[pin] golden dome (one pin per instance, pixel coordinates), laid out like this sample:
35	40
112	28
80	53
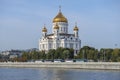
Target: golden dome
60	18
44	29
76	28
56	26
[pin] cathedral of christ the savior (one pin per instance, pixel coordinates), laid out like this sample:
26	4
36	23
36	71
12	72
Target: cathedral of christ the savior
60	36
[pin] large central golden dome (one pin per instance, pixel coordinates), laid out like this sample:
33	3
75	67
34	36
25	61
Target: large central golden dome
60	18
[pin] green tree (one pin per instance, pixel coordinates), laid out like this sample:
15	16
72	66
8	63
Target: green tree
0	56
65	54
50	54
108	54
25	55
116	55
87	52
58	53
71	53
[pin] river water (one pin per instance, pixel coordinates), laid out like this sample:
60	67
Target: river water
57	74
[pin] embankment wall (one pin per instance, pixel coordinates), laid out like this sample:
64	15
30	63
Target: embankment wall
75	65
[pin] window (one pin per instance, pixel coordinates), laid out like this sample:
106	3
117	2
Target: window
76	45
54	45
43	46
61	28
62	45
46	45
57	45
40	46
50	45
77	34
66	45
71	45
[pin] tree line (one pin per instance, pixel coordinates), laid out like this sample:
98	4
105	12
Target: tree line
59	53
106	55
86	52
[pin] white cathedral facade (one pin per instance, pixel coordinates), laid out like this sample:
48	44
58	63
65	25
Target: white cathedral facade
60	36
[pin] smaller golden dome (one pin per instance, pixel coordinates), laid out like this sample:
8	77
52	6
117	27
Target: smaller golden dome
76	28
56	26
44	29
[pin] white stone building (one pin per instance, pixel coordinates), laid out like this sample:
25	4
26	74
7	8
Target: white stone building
60	36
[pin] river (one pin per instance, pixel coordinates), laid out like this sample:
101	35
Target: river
57	74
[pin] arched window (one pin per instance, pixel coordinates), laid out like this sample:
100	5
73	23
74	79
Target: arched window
76	45
64	29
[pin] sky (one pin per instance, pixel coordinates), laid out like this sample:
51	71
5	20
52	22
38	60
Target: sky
21	21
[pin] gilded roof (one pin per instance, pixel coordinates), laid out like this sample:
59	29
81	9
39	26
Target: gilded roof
56	26
44	29
60	18
76	28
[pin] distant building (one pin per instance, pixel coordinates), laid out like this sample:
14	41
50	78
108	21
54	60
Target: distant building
32	49
60	36
12	53
5	53
13	56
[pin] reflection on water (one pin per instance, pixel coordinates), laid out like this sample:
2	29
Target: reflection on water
57	74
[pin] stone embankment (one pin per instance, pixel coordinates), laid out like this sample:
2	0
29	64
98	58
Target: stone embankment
74	65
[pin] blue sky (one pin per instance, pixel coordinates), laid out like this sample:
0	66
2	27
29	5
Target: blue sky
21	21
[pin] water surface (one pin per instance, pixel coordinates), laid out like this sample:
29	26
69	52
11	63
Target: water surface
57	74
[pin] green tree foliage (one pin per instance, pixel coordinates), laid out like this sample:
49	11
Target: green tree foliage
0	56
89	53
50	54
86	52
71	54
116	55
59	53
65	54
106	55
34	55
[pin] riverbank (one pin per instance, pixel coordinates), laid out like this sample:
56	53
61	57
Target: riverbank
76	65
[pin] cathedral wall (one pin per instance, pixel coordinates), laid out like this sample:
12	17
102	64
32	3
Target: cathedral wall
63	27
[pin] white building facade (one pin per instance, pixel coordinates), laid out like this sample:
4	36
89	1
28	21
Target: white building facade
60	36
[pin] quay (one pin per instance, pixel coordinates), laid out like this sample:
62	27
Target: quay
72	65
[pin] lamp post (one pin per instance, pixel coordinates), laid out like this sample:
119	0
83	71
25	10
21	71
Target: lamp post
104	55
115	45
83	54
